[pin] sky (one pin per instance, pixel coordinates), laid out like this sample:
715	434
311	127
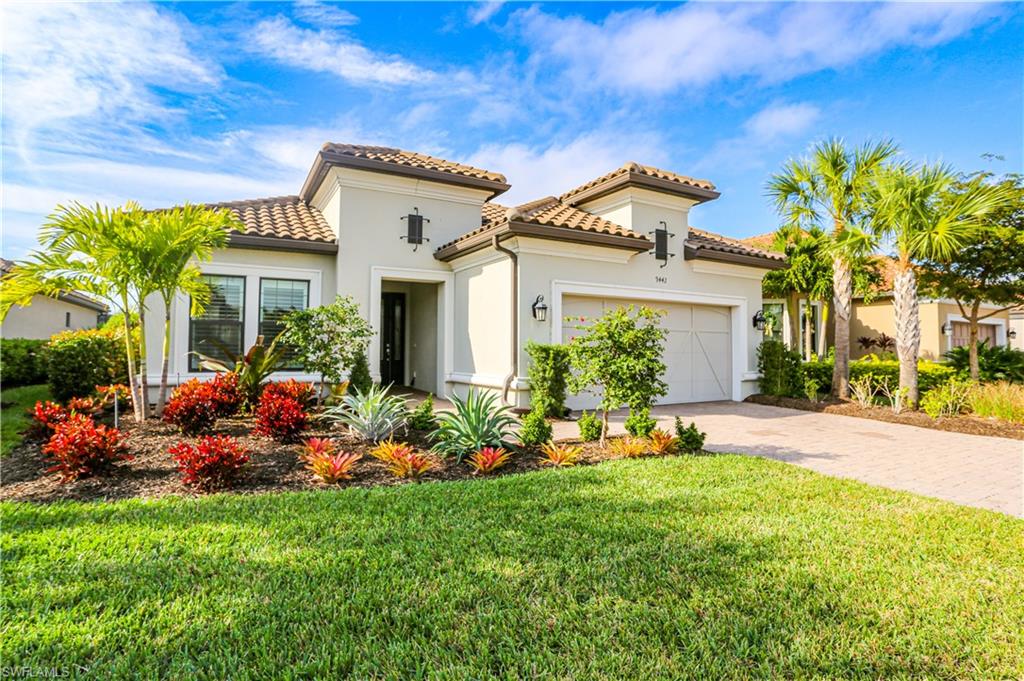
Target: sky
173	102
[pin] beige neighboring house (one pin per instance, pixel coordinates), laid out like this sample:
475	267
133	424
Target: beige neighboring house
46	316
1016	332
456	284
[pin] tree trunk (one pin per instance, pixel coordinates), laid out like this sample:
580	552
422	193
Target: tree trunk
130	349
842	287
908	329
143	381
793	305
165	360
808	329
972	350
823	330
604	427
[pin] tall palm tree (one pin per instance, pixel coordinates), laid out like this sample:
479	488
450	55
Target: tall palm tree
808	274
917	210
828	190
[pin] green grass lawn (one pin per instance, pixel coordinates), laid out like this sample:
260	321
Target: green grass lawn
13	419
710	567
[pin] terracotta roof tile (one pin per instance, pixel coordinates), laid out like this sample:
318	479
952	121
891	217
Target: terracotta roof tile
411	159
280	217
701	239
650	171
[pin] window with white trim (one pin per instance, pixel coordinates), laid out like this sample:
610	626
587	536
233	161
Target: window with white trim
221	327
278	297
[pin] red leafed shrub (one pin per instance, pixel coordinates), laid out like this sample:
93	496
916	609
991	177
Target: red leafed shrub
45	417
226	395
303	393
279	417
192	407
214	462
83	405
79	448
108	392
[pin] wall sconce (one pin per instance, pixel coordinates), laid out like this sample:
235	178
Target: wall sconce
947	329
759	320
414	229
540	309
1012	333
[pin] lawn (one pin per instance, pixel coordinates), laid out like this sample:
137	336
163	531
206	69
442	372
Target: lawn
13	419
689	567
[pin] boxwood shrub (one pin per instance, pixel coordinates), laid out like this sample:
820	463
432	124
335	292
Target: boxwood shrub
78	361
23	361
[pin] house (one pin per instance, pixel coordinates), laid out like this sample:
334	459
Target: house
456	284
45	316
943	327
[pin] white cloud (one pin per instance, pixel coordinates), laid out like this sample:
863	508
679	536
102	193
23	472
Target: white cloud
322	14
483	11
700	43
762	132
328	51
781	120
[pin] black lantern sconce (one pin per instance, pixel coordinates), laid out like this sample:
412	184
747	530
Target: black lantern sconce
759	320
661	235
540	309
1012	333
414	228
947	329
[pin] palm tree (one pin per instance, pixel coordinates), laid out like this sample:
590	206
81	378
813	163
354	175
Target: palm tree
808	274
831	186
925	219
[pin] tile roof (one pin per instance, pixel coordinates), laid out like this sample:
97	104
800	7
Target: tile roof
411	159
765	242
637	169
703	240
280	217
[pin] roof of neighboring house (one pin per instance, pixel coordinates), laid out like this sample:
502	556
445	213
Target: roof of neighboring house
701	243
73	297
764	242
399	162
280	222
648	177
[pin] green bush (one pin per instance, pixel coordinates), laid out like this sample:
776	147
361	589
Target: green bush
548	374
996	363
639	422
78	361
534	429
22	361
930	374
422	417
359	376
691	440
949	399
780	370
590	427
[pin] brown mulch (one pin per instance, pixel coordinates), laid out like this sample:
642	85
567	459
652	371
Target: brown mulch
971	425
273	466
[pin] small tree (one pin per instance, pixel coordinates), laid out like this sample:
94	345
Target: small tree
619	358
328	339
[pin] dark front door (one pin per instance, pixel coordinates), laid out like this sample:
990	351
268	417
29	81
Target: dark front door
392	338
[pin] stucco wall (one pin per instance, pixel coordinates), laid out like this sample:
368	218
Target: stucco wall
483	321
46	316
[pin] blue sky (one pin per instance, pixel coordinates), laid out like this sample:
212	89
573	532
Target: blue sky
164	103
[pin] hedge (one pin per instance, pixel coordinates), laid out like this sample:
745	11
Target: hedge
78	361
780	370
548	372
22	361
930	374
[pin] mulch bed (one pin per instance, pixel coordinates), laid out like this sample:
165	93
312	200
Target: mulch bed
971	425
273	466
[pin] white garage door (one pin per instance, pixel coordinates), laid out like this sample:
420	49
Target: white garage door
698	348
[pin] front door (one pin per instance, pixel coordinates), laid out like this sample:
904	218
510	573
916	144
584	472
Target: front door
392	339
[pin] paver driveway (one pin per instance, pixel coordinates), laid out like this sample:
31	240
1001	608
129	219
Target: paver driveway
987	472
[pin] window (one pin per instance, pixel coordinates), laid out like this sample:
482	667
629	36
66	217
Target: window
222	324
278	297
67	320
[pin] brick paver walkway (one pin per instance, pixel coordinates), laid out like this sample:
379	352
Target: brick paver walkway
986	472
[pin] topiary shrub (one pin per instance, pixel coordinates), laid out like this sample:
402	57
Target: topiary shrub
548	374
359	376
639	422
22	361
590	427
78	361
534	428
781	373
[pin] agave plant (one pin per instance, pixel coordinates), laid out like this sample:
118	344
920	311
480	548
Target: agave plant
373	415
477	422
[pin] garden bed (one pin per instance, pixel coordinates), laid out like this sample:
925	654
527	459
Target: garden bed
273	466
971	425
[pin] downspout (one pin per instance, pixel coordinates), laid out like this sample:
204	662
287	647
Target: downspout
515	318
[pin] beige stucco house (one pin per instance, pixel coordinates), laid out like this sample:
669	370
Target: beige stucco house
44	316
455	284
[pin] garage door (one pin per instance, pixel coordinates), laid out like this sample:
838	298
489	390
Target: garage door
698	348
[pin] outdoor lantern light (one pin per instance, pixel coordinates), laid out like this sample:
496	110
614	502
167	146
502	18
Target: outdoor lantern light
947	329
759	320
1012	333
540	309
414	229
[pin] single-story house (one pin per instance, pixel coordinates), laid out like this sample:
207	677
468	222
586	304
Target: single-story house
45	316
1016	331
456	284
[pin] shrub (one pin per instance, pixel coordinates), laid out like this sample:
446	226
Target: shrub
79	448
628	447
560	455
950	399
301	392
930	374
662	442
359	375
590	427
332	468
389	450
548	373
477	422
410	465
78	361
488	459
811	387
1000	400
691	440
23	361
214	462
893	393
46	416
253	369
373	415
193	407
280	417
995	363
780	369
639	422
422	417
534	429
863	390
227	397
107	394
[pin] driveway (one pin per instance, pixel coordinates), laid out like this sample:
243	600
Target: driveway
986	472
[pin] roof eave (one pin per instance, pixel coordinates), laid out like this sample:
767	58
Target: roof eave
271	243
614	184
80	300
698	253
529	229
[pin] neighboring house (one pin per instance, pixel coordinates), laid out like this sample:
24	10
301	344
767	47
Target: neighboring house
943	327
46	316
455	284
1016	331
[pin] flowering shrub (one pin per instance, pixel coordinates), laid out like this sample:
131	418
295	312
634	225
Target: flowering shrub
332	468
409	465
227	398
45	418
279	417
193	407
79	448
489	459
389	450
214	462
303	393
628	447
560	455
662	442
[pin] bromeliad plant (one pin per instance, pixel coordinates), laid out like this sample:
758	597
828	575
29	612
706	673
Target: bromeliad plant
477	422
560	455
373	415
409	465
389	450
662	442
326	463
628	447
488	460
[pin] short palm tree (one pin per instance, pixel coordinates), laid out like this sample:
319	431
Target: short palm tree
828	190
916	209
